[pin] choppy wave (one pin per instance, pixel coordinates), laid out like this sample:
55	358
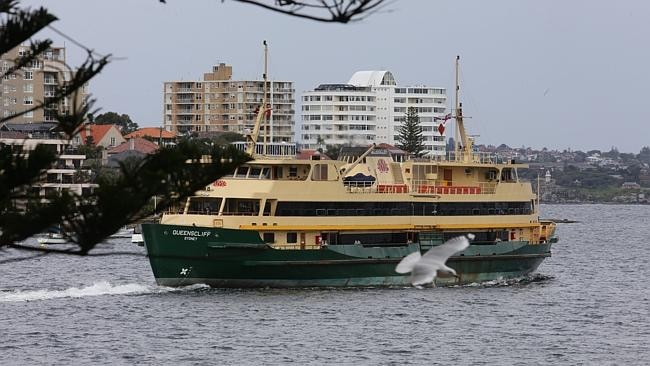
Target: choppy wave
534	278
96	289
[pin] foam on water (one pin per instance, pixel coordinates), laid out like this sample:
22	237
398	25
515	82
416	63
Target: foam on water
96	289
501	282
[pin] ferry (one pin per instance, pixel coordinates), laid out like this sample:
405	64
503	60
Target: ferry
279	221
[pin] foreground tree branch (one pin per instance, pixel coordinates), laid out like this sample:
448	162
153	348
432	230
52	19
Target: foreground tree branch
327	11
171	173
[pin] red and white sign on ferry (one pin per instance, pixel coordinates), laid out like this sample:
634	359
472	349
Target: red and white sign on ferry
220	183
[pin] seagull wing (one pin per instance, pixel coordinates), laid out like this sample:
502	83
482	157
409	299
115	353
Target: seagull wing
423	273
442	252
407	263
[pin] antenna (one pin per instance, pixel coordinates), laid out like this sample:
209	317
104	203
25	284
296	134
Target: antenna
251	139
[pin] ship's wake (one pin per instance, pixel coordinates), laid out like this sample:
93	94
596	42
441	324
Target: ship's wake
97	289
521	281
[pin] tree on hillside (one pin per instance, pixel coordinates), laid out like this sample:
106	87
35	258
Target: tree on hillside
410	136
123	121
644	155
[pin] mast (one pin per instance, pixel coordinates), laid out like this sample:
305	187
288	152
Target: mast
251	139
538	192
464	150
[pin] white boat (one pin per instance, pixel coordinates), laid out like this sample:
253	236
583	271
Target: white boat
136	237
51	238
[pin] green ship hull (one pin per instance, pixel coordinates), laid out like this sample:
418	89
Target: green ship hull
185	255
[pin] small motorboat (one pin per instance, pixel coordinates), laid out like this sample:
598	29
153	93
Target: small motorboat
51	238
136	236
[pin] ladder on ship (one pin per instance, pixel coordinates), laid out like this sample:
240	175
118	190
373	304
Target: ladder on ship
429	239
396	169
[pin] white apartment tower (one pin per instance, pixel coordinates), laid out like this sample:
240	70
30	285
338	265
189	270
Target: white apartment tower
370	108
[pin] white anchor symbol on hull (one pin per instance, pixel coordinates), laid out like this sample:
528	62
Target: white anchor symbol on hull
184	271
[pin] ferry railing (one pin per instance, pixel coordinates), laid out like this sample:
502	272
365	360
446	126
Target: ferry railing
225	213
428	187
421	187
474	157
360	187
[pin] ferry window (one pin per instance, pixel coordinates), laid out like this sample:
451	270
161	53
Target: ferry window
277	173
265	173
292	238
237	206
508	175
254	173
242	171
293	171
269	237
204	205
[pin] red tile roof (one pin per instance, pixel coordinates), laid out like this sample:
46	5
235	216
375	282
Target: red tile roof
96	131
136	144
307	154
154	132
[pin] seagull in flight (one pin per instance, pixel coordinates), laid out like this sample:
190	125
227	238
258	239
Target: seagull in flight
424	268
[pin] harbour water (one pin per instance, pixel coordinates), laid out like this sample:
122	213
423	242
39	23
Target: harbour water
588	304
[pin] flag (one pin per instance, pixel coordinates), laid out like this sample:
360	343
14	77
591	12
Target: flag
267	111
443	118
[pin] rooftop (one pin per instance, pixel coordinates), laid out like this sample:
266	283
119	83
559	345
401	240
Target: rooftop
372	78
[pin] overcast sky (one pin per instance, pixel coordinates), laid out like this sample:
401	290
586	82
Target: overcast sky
557	74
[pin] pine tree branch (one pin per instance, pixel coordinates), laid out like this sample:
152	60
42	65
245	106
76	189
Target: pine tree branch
20	25
340	11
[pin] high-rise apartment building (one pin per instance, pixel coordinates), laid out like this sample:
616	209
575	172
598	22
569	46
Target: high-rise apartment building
34	84
370	108
220	104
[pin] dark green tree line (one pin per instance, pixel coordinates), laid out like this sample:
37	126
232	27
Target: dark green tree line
123	121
